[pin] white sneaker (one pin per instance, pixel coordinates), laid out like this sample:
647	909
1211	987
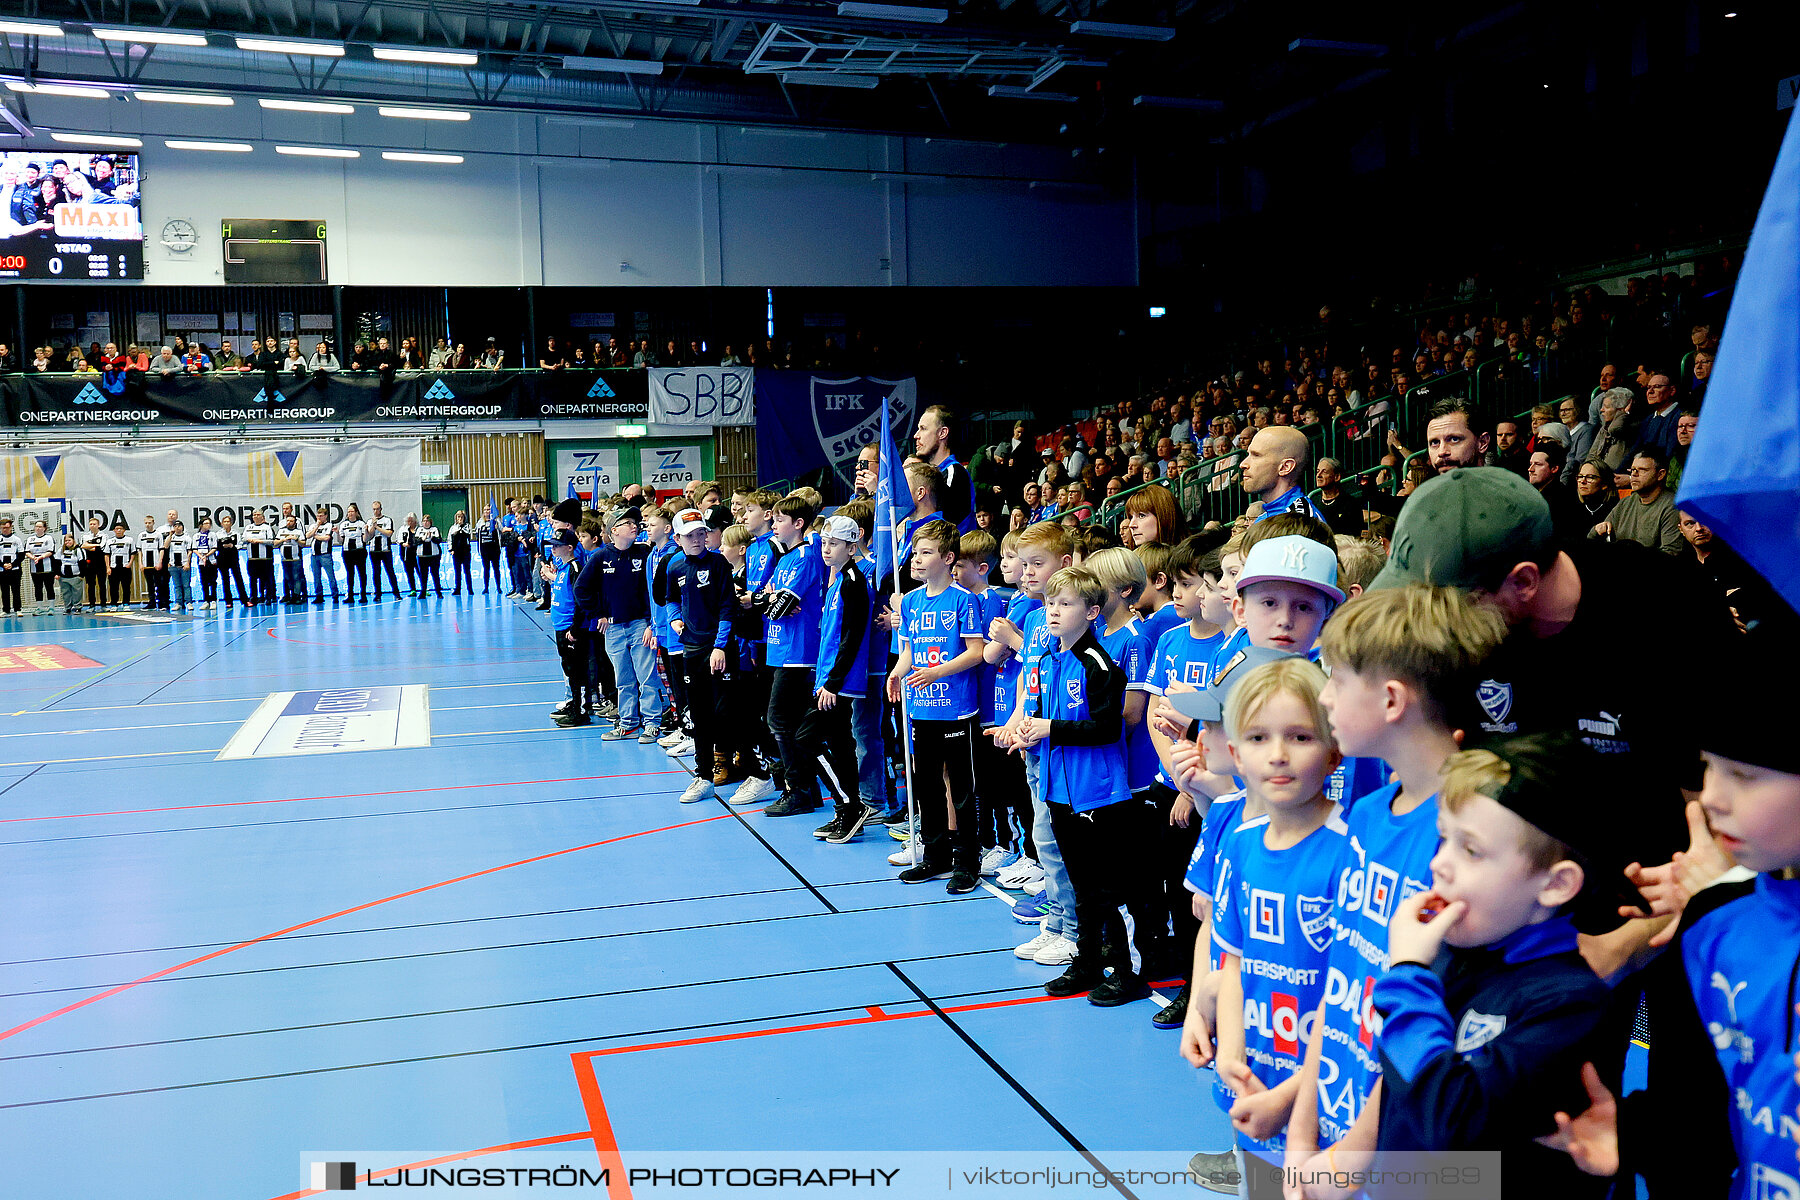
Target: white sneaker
1035	887
700	789
752	790
682	749
1055	953
1041	941
994	859
1020	873
671	739
903	857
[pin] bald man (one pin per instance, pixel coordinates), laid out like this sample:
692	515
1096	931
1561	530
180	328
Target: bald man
1274	470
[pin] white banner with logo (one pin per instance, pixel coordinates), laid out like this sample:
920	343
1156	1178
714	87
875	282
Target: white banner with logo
587	473
202	480
666	470
704	396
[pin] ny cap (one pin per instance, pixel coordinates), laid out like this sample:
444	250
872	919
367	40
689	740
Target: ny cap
843	529
719	517
1209	705
1294	559
1467	529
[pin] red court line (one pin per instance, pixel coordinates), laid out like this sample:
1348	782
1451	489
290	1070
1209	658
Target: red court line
874	1010
454	787
194	962
367	1176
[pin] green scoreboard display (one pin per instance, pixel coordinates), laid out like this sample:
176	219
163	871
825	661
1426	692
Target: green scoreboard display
259	250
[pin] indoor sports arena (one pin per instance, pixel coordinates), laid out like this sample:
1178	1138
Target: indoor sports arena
652	598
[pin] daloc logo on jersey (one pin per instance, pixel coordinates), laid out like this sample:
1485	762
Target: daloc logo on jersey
1315	920
1496	700
846	414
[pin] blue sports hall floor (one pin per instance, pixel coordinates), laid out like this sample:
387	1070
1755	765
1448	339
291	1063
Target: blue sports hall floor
217	972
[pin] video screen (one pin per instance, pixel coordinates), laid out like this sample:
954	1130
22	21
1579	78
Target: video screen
70	216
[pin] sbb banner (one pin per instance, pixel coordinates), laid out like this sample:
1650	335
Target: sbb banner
703	396
199	480
810	421
254	397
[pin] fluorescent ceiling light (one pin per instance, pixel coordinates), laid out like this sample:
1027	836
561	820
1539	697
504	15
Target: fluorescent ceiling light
148	36
893	12
57	89
319	106
1142	33
424	114
284	46
318	151
452	58
185	98
95	139
407	156
620	66
1187	102
1349	49
31	28
1007	91
229	147
830	79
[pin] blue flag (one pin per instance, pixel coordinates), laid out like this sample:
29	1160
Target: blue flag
891	490
490	508
573	494
1742	477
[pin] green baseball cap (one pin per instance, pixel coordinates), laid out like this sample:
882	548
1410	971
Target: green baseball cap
1467	528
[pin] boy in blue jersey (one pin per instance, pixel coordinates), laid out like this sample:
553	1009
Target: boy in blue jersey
795	598
665	555
622	614
1481	1047
1272	916
569	644
940	643
975	557
866	711
824	737
1399	660
1156	607
698	584
1076	723
762	756
1014	832
1043	550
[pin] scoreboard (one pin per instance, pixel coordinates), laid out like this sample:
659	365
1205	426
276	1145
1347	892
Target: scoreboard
260	250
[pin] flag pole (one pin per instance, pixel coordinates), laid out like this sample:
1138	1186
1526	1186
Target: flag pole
906	752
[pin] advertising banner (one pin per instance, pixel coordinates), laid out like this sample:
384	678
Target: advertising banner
810	421
586	473
201	480
703	396
254	397
666	470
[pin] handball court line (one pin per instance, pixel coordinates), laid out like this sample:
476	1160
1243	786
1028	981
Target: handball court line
73	688
436	687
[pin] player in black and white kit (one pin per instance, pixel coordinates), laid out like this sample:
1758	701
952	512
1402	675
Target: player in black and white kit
430	544
459	554
12	564
93	550
71	568
228	544
149	553
409	554
260	539
40	550
354	532
206	557
290	545
177	567
119	548
321	537
487	541
381	554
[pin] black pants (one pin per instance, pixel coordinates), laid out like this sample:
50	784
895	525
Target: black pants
379	561
43	585
827	754
490	565
600	664
1103	849
459	574
708	705
156	587
229	574
10	584
790	699
1001	798
1173	847
428	569
574	653
95	575
119	581
940	749
262	581
759	740
356	574
676	671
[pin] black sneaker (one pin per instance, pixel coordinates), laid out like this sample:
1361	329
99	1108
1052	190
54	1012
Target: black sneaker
789	805
1174	1016
1121	987
897	817
562	708
829	829
963	881
572	719
850	824
671	720
924	873
1215	1172
1078	977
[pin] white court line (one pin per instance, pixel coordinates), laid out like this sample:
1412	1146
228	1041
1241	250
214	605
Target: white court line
1161	999
261	696
194	724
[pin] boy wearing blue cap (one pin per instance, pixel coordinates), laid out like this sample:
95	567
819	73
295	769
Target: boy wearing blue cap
570	647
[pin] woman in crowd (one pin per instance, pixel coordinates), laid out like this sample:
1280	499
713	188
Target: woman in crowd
459	554
1595	492
206	557
408	538
226	540
430	545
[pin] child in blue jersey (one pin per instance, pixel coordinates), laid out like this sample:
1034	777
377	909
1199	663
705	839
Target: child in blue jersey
975	557
825	737
794	599
1399	658
1013	826
1272	918
757	679
569	645
1156	607
1737	946
1122	636
867	710
1043	550
1481	1047
698	584
1182	658
665	554
1076	721
940	643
